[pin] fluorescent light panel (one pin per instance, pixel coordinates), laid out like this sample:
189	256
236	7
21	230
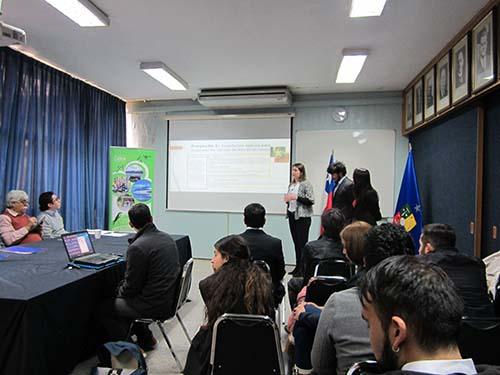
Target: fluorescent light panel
351	66
83	12
366	8
164	75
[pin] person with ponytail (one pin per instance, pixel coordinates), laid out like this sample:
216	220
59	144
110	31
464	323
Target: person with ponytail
236	286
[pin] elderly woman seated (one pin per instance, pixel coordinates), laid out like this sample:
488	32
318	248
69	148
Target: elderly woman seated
16	227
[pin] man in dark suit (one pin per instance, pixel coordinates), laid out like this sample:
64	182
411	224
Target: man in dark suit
148	288
437	246
264	247
343	195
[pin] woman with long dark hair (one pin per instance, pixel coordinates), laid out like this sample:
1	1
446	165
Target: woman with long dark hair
366	203
299	200
236	286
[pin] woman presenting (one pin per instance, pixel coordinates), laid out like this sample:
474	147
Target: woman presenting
299	200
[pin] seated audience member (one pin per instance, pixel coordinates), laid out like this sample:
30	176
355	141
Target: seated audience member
414	315
437	246
264	247
16	227
341	337
328	246
343	194
236	286
49	218
148	288
353	238
366	203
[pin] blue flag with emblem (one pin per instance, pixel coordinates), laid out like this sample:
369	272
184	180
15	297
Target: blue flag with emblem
408	210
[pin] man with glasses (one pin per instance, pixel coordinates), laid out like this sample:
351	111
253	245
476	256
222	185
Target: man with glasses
50	219
16	227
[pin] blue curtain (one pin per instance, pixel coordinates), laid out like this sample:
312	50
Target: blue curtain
55	134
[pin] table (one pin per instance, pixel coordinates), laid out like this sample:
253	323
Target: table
46	324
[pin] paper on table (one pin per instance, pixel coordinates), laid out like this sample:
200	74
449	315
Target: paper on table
21	250
110	233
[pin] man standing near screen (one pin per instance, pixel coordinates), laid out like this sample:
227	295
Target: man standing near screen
343	195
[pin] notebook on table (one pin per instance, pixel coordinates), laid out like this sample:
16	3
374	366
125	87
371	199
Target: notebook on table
80	250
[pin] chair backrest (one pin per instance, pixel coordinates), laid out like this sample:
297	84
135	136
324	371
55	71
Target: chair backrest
262	264
479	340
246	344
321	287
366	367
333	267
496	300
184	284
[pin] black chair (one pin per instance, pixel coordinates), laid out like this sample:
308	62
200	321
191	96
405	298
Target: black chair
182	291
479	340
366	367
496	301
334	267
280	308
246	344
321	287
262	264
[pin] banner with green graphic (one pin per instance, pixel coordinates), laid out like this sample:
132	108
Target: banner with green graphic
131	176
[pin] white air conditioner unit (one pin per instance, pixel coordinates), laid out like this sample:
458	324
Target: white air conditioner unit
10	35
259	97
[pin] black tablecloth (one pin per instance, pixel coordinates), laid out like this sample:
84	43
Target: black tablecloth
46	324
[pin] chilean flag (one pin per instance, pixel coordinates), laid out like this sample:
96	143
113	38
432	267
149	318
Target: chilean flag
329	186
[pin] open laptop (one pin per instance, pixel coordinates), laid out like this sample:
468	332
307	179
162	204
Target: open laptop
80	250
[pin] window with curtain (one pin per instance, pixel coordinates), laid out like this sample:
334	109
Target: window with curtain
55	134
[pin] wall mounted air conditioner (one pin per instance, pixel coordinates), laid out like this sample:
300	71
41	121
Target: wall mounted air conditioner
10	35
258	97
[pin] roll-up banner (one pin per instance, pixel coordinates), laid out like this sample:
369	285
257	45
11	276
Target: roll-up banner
131	177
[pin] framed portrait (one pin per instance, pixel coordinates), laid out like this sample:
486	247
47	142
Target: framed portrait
483	69
430	94
460	70
443	83
418	105
409	109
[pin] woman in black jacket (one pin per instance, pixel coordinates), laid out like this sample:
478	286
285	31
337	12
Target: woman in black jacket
236	286
366	203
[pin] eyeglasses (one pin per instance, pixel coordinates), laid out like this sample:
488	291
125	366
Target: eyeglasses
22	201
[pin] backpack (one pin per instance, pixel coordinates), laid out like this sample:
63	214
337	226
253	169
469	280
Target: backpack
120	358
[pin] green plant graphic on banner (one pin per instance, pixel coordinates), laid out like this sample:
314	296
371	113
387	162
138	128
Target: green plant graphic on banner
131	176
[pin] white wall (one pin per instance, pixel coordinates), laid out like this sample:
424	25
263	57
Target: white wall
147	128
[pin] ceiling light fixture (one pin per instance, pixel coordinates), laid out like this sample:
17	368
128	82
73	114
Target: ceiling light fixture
366	8
83	12
164	75
351	65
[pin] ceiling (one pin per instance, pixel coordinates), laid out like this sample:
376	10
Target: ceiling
237	43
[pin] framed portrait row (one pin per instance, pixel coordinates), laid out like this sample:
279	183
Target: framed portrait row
467	68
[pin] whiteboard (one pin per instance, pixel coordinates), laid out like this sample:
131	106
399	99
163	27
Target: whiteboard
370	149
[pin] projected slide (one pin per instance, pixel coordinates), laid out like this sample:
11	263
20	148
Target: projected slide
223	164
229	165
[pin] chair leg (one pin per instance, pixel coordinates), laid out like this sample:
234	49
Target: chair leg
183	327
283	313
170	346
129	334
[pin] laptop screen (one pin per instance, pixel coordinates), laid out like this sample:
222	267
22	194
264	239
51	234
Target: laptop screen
78	244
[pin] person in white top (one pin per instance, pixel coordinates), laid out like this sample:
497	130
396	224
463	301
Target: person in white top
299	200
414	316
51	221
